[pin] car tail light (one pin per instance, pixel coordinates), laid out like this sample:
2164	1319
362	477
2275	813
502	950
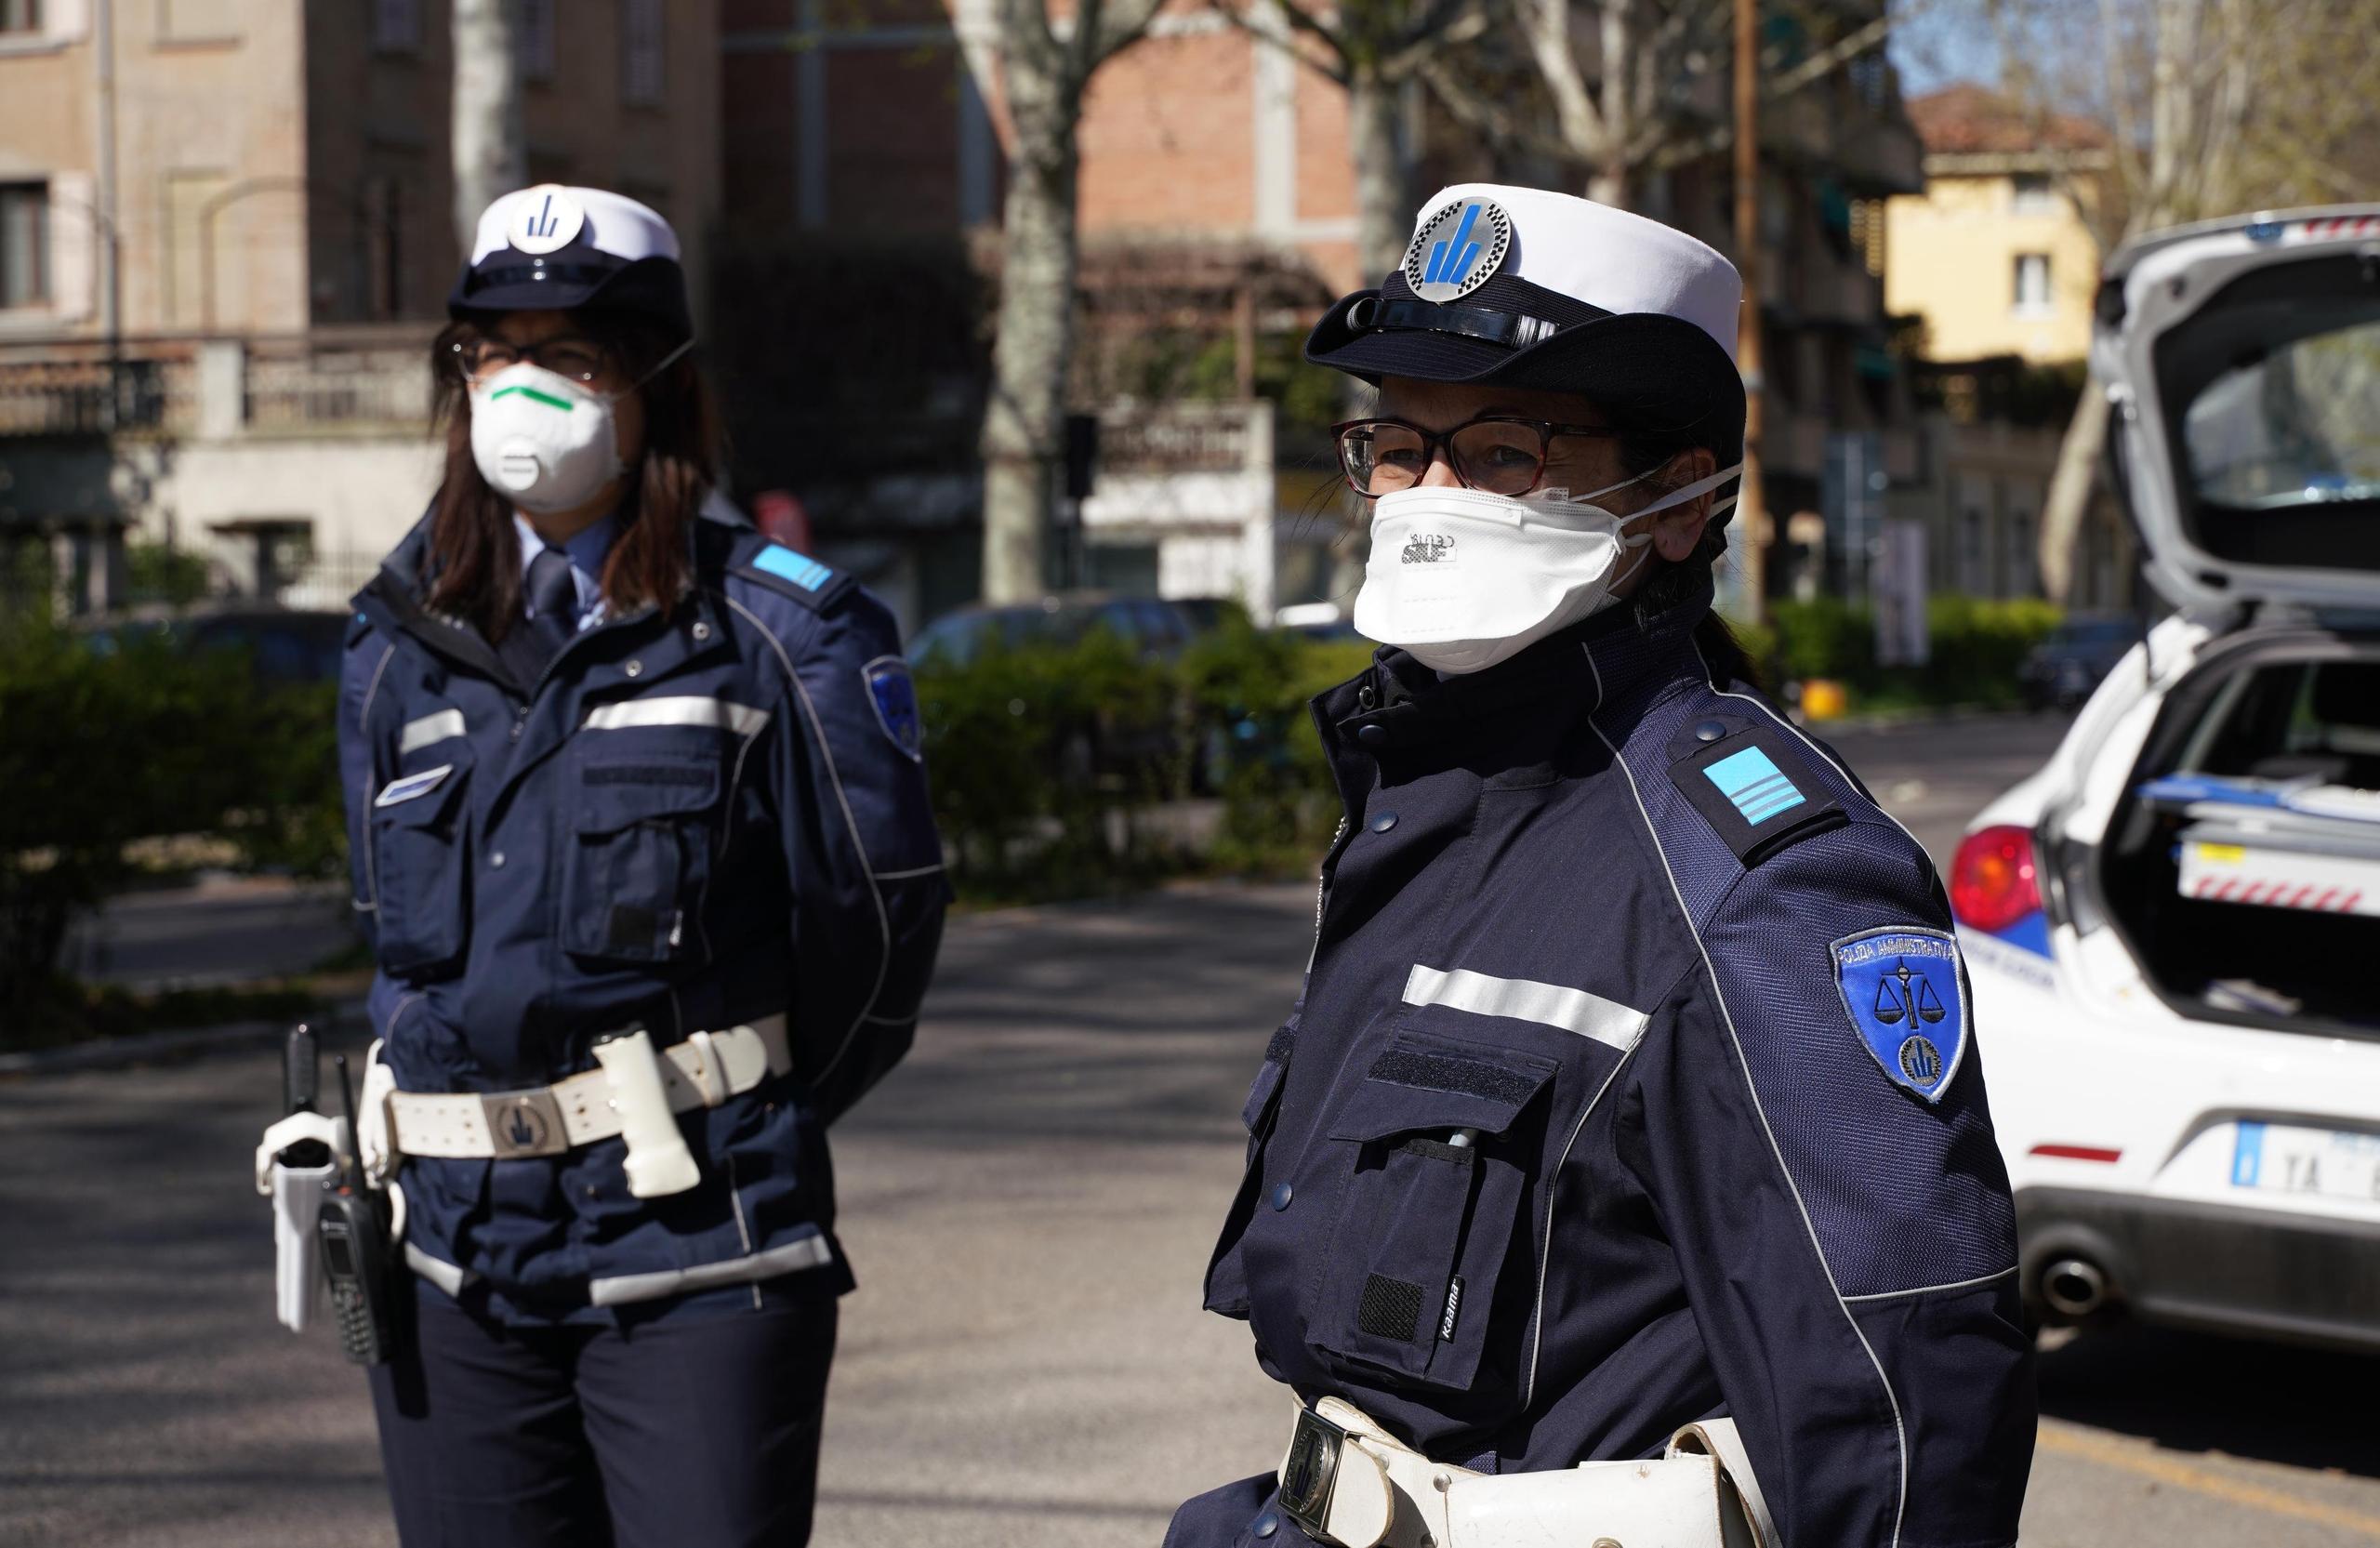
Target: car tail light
1993	884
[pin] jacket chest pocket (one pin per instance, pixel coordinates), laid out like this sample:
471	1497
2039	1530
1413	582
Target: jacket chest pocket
421	840
1441	1138
635	870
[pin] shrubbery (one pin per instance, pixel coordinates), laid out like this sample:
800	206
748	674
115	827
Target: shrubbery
99	748
1057	771
1977	646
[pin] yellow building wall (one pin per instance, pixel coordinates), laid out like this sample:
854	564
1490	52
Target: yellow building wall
1950	257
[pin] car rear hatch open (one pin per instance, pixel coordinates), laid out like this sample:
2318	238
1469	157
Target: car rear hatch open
2242	358
2243	866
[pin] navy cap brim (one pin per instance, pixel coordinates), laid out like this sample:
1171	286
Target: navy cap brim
1652	372
571	279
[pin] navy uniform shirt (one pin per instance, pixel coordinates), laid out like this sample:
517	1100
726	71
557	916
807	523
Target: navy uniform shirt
1607	1107
685	823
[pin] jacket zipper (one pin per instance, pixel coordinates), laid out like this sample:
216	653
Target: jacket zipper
1322	889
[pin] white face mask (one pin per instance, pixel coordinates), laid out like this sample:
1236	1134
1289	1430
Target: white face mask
1462	578
545	441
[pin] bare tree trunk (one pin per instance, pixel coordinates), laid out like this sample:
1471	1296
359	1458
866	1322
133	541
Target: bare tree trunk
489	154
1383	178
1025	423
1609	183
2070	489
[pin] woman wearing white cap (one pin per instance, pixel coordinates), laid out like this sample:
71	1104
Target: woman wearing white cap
642	844
1630	1113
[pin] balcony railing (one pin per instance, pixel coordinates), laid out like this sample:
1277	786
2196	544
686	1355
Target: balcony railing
91	397
216	389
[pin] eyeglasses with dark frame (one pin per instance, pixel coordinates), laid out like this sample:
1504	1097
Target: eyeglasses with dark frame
1497	454
572	356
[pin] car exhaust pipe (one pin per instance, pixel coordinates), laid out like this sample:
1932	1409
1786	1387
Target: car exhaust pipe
2074	1287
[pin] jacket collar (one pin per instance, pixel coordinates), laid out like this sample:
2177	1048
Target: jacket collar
1614	663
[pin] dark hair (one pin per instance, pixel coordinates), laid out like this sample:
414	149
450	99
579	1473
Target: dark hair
475	568
1670	582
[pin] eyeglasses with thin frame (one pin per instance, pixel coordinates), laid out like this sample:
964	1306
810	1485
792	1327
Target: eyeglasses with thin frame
1497	454
571	356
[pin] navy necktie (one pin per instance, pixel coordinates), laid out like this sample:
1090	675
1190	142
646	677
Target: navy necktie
553	616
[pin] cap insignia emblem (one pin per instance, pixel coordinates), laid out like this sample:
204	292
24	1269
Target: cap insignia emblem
1456	252
545	218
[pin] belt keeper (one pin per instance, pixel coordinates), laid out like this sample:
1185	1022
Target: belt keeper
709	1074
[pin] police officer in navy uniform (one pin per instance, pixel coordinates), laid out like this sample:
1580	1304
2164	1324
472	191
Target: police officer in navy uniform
642	844
1632	1085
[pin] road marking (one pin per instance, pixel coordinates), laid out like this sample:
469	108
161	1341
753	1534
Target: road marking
2107	1452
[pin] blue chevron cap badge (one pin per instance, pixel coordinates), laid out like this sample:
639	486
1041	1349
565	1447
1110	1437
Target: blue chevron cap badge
1458	250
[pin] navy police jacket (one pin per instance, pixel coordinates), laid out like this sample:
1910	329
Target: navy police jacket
1632	1085
687	822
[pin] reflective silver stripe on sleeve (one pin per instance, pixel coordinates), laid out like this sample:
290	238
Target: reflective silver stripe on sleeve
438	1272
716	714
1607	1021
428	729
809	1253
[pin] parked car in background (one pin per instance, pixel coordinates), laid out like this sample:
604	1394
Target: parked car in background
2073	659
1152	625
284	644
2171	929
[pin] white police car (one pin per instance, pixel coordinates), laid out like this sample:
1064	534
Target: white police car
2174	928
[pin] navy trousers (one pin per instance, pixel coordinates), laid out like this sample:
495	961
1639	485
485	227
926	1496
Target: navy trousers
689	1432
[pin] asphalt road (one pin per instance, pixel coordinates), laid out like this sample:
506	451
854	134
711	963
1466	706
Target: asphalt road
1028	1202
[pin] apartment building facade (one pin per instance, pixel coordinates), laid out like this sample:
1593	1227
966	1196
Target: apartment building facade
226	238
1998	263
1218	190
1997	253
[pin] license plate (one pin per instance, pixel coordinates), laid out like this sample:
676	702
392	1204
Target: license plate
2280	1158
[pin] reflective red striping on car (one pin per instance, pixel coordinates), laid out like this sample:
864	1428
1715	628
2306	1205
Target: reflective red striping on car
2077	1153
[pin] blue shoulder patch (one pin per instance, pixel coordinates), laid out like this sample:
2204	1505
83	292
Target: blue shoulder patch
807	581
1908	1002
1754	788
798	568
894	695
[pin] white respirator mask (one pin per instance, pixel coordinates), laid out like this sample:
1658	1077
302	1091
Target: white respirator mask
547	443
1462	579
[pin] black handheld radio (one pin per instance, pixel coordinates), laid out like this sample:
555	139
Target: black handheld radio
353	1230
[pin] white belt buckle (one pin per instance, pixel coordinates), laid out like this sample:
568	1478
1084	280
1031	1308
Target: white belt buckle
1309	1471
523	1123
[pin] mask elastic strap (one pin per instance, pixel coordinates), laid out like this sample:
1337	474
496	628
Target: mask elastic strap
658	366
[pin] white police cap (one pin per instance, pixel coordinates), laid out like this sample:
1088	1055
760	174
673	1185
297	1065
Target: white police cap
1525	288
554	246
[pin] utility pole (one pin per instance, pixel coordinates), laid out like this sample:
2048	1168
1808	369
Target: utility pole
1752	505
112	278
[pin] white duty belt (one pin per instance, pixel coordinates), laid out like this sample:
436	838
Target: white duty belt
1350	1484
703	1071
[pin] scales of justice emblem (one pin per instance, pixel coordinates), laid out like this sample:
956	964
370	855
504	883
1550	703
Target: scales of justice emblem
1904	999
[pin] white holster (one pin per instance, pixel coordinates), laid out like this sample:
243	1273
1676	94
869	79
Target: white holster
1350	1484
297	1194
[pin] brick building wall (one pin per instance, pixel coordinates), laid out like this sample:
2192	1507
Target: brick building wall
891	126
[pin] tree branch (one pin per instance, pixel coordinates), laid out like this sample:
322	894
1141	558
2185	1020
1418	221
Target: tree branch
1295	20
1129	24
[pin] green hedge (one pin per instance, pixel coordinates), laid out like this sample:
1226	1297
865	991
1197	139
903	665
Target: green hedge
1056	772
101	748
1977	645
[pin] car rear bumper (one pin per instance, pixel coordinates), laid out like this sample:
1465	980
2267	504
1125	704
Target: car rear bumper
2308	1278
